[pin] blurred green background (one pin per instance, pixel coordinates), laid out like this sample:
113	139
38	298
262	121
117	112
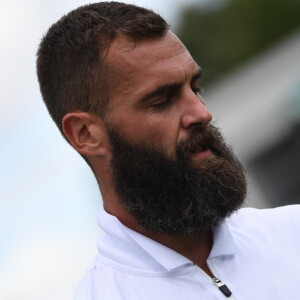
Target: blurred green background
228	33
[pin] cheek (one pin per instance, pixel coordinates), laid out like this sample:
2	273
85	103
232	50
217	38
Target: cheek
159	129
163	133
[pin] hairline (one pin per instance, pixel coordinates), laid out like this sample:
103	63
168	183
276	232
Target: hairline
110	67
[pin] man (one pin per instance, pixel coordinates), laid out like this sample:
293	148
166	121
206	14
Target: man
124	91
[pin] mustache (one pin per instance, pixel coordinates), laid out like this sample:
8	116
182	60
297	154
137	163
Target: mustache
202	138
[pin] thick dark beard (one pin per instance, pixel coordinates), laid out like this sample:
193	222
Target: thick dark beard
178	195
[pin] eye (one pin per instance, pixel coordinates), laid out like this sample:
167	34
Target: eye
198	90
162	102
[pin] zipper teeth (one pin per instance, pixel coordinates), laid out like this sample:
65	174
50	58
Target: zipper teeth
212	269
207	276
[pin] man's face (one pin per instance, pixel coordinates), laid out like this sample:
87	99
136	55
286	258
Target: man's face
170	169
157	101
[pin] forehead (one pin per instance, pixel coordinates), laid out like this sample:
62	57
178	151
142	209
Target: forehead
143	65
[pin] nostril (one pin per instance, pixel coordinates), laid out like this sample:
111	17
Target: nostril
196	125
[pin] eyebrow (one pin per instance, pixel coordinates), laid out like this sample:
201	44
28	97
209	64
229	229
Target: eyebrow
163	89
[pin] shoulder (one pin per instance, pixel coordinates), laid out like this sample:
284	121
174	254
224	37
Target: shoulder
83	287
103	282
280	216
267	226
93	285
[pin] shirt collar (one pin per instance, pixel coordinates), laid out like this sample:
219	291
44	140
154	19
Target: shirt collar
223	242
165	256
124	245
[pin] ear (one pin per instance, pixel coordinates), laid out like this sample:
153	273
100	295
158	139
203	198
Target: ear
86	132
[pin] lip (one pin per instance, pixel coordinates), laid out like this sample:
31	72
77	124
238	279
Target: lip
202	154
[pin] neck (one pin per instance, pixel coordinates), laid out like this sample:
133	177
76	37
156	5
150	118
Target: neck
195	247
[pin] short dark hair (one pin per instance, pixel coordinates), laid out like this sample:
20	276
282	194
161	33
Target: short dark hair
71	66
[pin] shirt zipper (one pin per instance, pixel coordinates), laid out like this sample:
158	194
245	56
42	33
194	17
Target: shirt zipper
222	287
216	280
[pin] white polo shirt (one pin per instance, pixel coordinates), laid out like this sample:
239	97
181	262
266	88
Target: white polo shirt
256	253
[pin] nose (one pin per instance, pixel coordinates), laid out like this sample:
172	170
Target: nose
195	112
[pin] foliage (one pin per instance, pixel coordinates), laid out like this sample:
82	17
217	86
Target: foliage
220	40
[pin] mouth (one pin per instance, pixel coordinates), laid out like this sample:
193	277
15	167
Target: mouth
201	154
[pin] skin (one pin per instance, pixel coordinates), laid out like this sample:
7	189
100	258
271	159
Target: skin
163	121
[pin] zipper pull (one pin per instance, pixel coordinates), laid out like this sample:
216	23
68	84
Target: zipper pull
222	287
